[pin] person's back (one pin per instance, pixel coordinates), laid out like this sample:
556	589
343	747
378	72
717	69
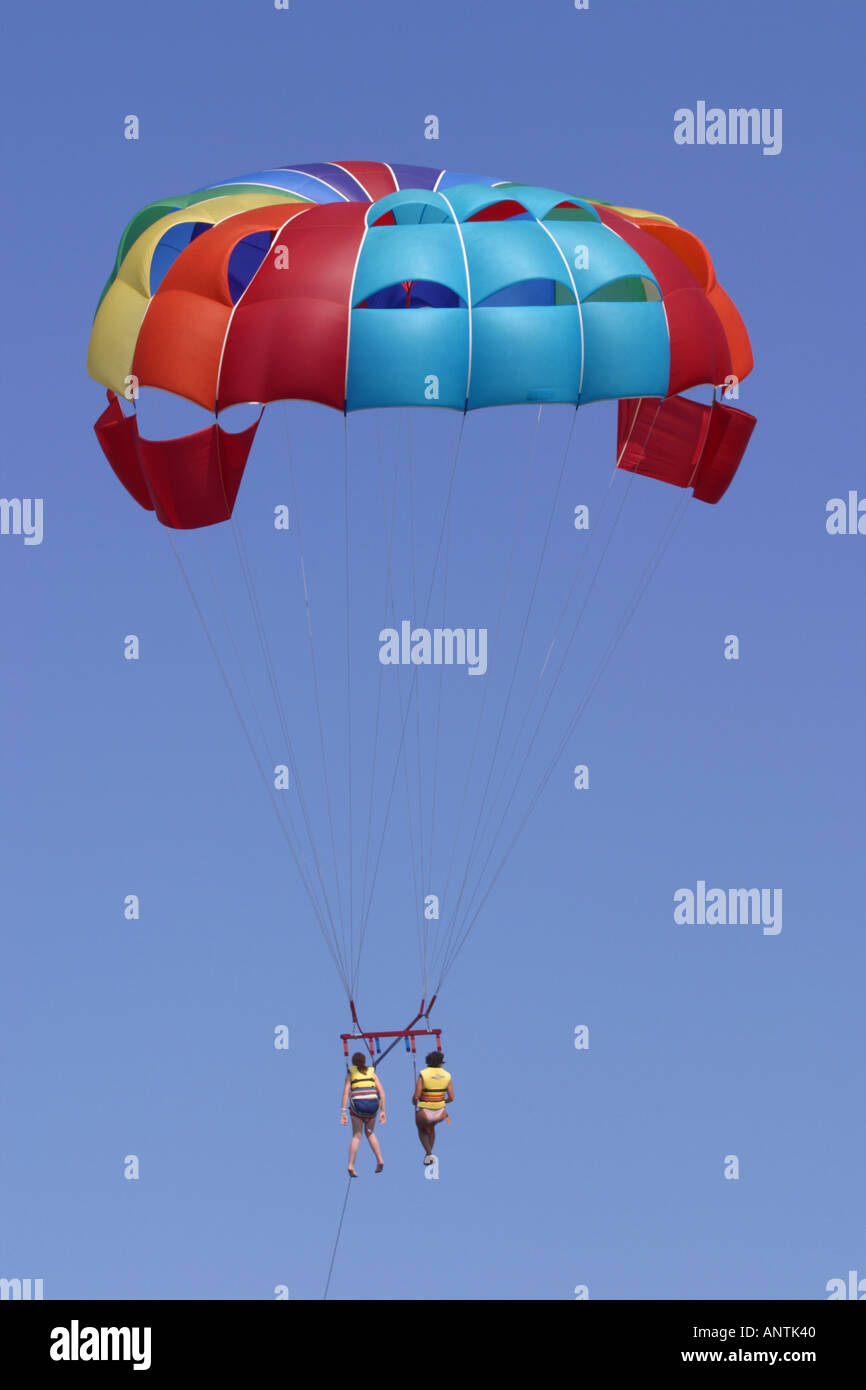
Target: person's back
363	1091
365	1095
434	1087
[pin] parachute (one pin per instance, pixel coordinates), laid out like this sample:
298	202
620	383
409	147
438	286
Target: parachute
366	286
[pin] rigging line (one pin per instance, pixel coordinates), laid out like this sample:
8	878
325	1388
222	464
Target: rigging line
481	831
539	724
388	534
641	589
480	722
349	685
571	591
573	586
439	701
249	584
337	1240
405	760
380	1057
415	669
516	663
413	680
379	1060
313	903
673	524
313	664
417	858
540	721
281	711
302	869
242	669
391	601
412	853
234	645
409	811
411	472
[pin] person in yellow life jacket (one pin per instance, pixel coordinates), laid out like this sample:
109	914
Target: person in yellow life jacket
432	1089
365	1093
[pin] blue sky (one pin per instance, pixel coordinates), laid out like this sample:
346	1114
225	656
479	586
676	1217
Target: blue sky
601	1167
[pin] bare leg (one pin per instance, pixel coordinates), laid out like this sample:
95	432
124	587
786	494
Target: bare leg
374	1145
357	1126
426	1131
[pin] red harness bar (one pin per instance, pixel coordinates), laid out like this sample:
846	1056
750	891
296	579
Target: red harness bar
409	1033
374	1040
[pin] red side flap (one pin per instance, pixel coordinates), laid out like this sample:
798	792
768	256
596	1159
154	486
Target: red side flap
194	480
729	433
118	435
189	482
662	438
683	442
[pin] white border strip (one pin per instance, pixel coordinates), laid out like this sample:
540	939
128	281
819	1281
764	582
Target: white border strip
300	212
468	292
290	169
349	323
576	300
354	178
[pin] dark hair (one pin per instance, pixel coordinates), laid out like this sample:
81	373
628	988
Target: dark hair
359	1060
435	1059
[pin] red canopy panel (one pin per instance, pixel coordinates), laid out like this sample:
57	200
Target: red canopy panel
700	353
118	435
180	342
289	335
377	179
189	482
683	442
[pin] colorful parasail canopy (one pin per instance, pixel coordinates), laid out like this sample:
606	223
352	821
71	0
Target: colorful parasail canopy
293	284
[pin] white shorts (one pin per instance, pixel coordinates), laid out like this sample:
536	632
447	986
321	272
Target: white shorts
429	1117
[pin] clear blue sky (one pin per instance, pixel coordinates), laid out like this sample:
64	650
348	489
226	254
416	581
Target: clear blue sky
562	1167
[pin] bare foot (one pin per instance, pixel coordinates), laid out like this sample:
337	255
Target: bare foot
352	1173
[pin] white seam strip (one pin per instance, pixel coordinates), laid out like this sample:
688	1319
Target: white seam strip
256	183
349	316
317	179
468	291
640	401
354	177
240	299
576	300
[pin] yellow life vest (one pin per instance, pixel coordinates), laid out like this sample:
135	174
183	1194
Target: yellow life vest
362	1086
434	1086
